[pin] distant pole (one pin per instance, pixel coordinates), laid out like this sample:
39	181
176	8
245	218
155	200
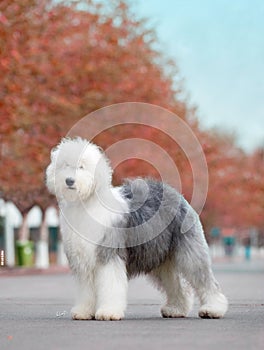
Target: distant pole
2	257
247	252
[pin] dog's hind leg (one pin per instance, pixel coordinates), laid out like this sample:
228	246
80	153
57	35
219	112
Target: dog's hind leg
179	294
194	262
213	303
111	290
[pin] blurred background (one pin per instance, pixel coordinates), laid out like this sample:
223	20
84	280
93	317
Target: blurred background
202	60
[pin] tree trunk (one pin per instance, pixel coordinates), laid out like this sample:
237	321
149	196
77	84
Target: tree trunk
42	246
23	233
9	239
61	256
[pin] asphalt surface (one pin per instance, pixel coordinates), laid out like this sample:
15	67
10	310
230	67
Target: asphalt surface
35	315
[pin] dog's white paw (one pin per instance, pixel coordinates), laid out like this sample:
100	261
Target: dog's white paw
80	312
215	308
105	314
168	311
208	311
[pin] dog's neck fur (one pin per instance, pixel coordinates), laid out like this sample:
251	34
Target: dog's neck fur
99	211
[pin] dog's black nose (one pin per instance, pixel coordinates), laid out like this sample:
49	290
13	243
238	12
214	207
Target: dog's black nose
69	181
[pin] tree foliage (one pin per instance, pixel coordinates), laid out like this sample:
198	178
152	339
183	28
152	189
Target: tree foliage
61	60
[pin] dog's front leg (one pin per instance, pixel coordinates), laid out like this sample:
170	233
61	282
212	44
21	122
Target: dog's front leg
84	308
111	290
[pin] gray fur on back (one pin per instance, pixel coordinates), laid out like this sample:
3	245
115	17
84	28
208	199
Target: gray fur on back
155	217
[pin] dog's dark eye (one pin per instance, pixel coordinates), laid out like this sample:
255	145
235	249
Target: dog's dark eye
81	167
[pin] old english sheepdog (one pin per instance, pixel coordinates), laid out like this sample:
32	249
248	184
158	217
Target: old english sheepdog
112	234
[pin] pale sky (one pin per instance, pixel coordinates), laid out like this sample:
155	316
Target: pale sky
219	48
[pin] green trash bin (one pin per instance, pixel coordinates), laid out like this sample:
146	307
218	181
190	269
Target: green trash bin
25	253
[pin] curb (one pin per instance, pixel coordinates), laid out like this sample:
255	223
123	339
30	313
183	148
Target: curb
30	271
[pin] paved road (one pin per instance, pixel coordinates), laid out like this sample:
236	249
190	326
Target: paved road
34	315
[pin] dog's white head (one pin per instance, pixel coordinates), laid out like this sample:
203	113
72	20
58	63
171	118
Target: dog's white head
77	170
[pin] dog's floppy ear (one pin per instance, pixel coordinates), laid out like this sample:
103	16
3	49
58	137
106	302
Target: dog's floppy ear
54	152
50	171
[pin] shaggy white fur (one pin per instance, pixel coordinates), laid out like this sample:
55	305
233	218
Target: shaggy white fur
88	207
